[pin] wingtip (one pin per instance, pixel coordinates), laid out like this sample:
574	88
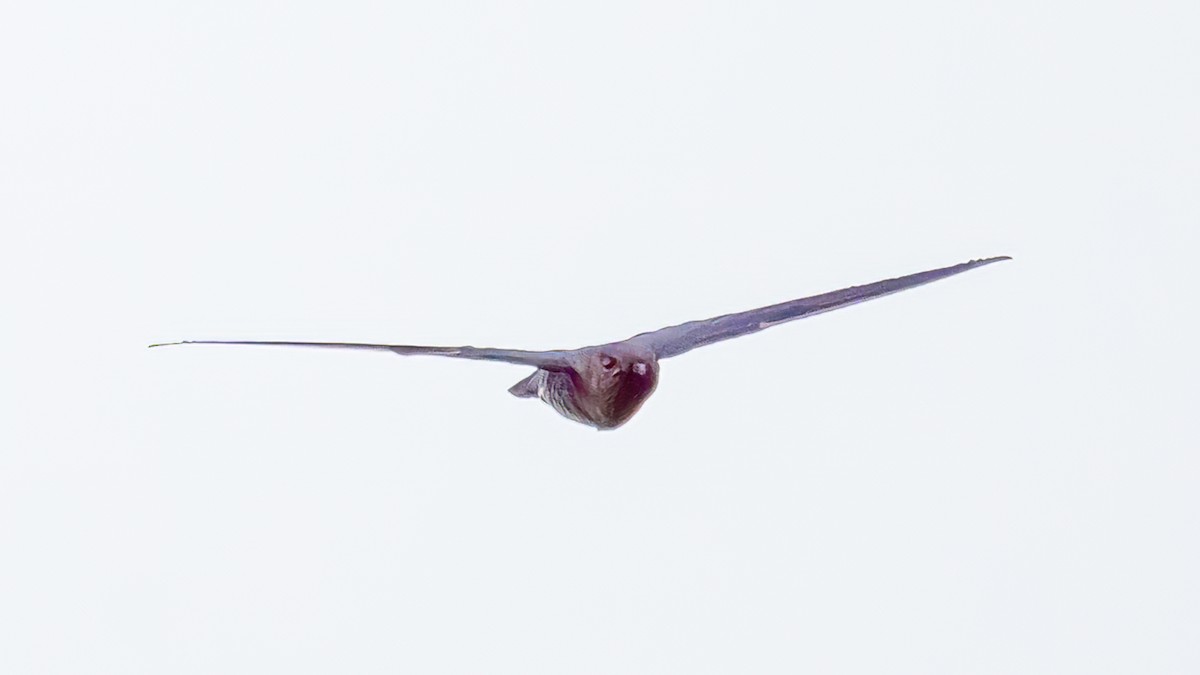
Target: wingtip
985	261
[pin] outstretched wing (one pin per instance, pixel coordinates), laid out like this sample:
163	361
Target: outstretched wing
549	360
675	340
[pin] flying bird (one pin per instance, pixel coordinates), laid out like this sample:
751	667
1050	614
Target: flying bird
604	385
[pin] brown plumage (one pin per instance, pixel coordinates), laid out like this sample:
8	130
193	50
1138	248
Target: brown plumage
604	386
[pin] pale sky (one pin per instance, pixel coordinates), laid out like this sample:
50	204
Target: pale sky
997	473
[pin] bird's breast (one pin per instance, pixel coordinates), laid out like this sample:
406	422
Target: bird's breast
601	405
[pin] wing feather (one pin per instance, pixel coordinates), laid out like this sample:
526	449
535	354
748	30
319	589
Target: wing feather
676	340
549	360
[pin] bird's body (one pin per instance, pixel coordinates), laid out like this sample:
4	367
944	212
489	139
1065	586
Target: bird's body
604	386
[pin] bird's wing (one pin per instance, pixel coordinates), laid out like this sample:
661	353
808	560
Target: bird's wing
549	360
675	340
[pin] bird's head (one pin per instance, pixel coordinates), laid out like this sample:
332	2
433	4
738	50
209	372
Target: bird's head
616	367
618	382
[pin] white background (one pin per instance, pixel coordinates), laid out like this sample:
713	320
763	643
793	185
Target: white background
994	474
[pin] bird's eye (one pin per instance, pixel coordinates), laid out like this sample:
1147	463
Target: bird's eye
607	361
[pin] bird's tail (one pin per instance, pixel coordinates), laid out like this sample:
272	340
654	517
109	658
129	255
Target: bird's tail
526	388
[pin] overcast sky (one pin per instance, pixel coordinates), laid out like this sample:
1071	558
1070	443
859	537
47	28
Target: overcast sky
997	473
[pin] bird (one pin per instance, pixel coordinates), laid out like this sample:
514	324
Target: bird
604	385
